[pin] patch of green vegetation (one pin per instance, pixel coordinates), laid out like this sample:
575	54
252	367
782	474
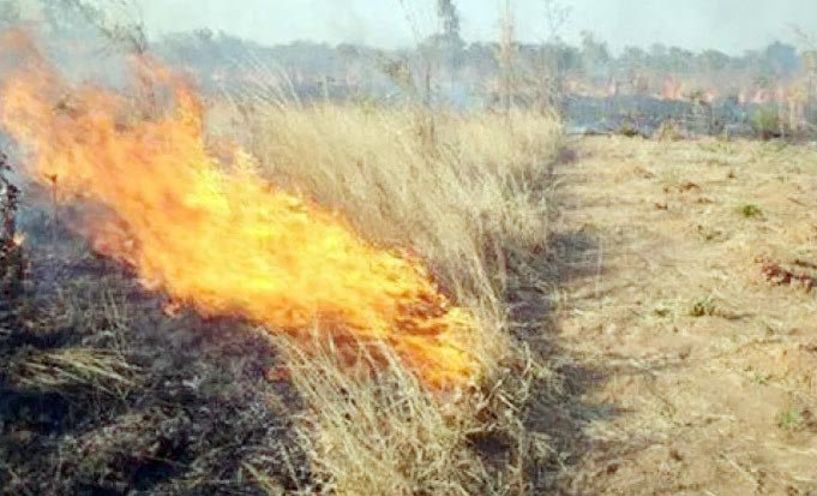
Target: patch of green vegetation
751	211
791	420
664	310
766	122
628	130
705	307
761	379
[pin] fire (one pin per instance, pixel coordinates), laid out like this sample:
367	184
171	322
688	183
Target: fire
218	237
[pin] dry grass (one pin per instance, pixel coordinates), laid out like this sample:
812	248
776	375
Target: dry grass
471	201
381	436
460	200
389	435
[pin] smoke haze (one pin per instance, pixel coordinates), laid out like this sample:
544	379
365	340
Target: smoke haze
728	25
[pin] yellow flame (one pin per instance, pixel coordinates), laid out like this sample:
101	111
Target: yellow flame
217	236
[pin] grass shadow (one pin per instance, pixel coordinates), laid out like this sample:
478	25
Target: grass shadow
558	409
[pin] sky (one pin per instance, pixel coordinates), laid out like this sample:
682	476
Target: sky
731	26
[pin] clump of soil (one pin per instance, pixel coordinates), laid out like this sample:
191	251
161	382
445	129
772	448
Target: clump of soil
778	275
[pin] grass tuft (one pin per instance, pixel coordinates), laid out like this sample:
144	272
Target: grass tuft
751	211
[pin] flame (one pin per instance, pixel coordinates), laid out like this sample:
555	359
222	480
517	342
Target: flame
216	236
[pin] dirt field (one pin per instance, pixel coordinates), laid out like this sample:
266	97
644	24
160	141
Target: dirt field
685	301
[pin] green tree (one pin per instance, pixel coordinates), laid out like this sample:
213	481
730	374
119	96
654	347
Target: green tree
713	61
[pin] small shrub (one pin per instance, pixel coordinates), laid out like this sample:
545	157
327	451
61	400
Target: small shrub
669	130
761	379
628	130
751	211
766	122
704	307
790	420
710	233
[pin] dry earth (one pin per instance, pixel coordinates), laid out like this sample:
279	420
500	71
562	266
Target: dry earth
676	293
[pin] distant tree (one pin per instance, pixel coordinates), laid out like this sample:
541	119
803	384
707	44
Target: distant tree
809	60
507	56
444	48
763	79
658	50
712	61
118	21
633	56
595	55
556	17
204	35
553	61
680	60
447	12
782	58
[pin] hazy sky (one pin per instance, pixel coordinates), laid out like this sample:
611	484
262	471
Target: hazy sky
729	25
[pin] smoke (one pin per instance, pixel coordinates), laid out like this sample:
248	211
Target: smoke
348	25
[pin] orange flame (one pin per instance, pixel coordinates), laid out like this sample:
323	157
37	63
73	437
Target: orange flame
220	238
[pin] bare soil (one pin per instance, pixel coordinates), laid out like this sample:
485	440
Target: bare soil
689	295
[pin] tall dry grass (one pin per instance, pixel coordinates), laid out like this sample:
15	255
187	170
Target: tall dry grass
470	199
460	199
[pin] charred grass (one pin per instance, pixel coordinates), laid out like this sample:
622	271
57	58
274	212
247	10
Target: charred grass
102	393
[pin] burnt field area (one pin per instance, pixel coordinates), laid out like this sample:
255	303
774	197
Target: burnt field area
102	392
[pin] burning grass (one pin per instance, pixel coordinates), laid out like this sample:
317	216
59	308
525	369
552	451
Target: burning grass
226	243
391	435
473	203
355	223
467	200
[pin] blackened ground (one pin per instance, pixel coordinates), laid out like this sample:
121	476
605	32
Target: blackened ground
102	392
